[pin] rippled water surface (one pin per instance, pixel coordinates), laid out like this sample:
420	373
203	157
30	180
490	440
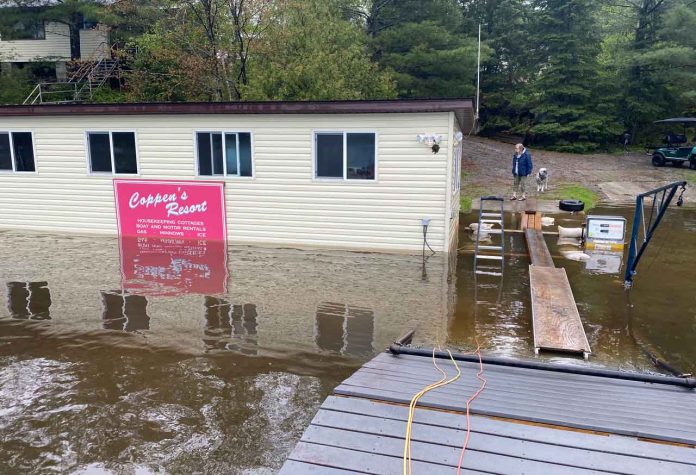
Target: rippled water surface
163	357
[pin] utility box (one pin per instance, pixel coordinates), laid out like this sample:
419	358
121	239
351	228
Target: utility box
607	233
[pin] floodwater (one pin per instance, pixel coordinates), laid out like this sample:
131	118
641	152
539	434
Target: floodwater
162	357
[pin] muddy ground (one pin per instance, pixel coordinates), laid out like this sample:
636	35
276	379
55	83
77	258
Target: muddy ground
616	178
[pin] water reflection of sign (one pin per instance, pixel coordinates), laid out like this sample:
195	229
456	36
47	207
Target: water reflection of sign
170	209
157	266
604	262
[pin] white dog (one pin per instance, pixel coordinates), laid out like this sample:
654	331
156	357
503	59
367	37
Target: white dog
542	180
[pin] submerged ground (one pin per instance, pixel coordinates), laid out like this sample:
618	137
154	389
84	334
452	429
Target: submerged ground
220	366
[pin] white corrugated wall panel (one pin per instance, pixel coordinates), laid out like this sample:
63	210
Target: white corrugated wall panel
281	204
94	43
55	46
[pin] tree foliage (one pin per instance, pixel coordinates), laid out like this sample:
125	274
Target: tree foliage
567	74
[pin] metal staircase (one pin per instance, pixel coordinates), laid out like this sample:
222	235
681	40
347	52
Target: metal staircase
80	86
488	219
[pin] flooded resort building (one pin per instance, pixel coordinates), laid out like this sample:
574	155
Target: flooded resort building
365	175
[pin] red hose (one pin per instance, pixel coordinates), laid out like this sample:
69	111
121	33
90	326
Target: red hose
468	405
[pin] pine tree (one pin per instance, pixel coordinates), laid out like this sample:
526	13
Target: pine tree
568	109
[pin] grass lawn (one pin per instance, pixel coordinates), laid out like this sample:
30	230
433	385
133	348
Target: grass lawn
573	192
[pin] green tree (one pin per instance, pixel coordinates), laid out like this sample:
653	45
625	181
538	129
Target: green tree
15	85
508	29
310	51
421	42
567	107
198	50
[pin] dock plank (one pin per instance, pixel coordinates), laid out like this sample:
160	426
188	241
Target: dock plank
539	254
357	461
437	444
555	317
519	430
526	421
620	409
427	449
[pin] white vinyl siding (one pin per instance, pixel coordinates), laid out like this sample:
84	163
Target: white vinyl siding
94	43
56	46
283	205
455	185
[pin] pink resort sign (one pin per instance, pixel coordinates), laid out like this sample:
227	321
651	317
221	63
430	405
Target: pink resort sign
171	209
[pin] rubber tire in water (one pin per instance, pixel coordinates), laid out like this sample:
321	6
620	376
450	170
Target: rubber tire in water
571	205
658	160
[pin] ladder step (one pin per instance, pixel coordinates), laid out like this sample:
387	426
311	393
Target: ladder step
494	258
483	272
491	215
497	221
487	267
493	231
491	248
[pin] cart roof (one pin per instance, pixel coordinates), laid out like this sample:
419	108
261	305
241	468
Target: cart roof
677	120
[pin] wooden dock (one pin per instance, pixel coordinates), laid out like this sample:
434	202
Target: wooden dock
526	421
555	317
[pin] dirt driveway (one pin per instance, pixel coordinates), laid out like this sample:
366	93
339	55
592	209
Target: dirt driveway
617	178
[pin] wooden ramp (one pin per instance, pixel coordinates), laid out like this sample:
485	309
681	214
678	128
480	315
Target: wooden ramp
526	421
539	254
555	317
556	321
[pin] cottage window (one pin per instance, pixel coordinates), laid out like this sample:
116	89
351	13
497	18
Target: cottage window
345	155
17	152
23	30
112	152
224	153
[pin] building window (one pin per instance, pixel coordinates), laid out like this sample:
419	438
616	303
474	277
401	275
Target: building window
345	155
23	30
112	152
224	153
17	152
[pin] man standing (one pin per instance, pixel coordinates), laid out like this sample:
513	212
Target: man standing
521	169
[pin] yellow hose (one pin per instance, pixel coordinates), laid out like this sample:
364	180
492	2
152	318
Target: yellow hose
412	407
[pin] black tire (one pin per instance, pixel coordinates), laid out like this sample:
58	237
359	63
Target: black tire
571	205
658	160
692	164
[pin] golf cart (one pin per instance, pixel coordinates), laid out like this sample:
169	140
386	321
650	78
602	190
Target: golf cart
676	151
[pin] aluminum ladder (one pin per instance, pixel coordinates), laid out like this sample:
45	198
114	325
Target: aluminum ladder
487	222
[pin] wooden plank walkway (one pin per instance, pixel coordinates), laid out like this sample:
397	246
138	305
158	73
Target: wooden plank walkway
544	422
556	320
539	254
555	317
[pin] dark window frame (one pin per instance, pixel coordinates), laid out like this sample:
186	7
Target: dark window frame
225	174
33	31
13	157
111	152
345	177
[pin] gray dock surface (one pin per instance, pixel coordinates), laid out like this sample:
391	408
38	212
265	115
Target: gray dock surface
527	421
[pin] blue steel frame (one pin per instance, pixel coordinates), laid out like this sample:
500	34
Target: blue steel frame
635	253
